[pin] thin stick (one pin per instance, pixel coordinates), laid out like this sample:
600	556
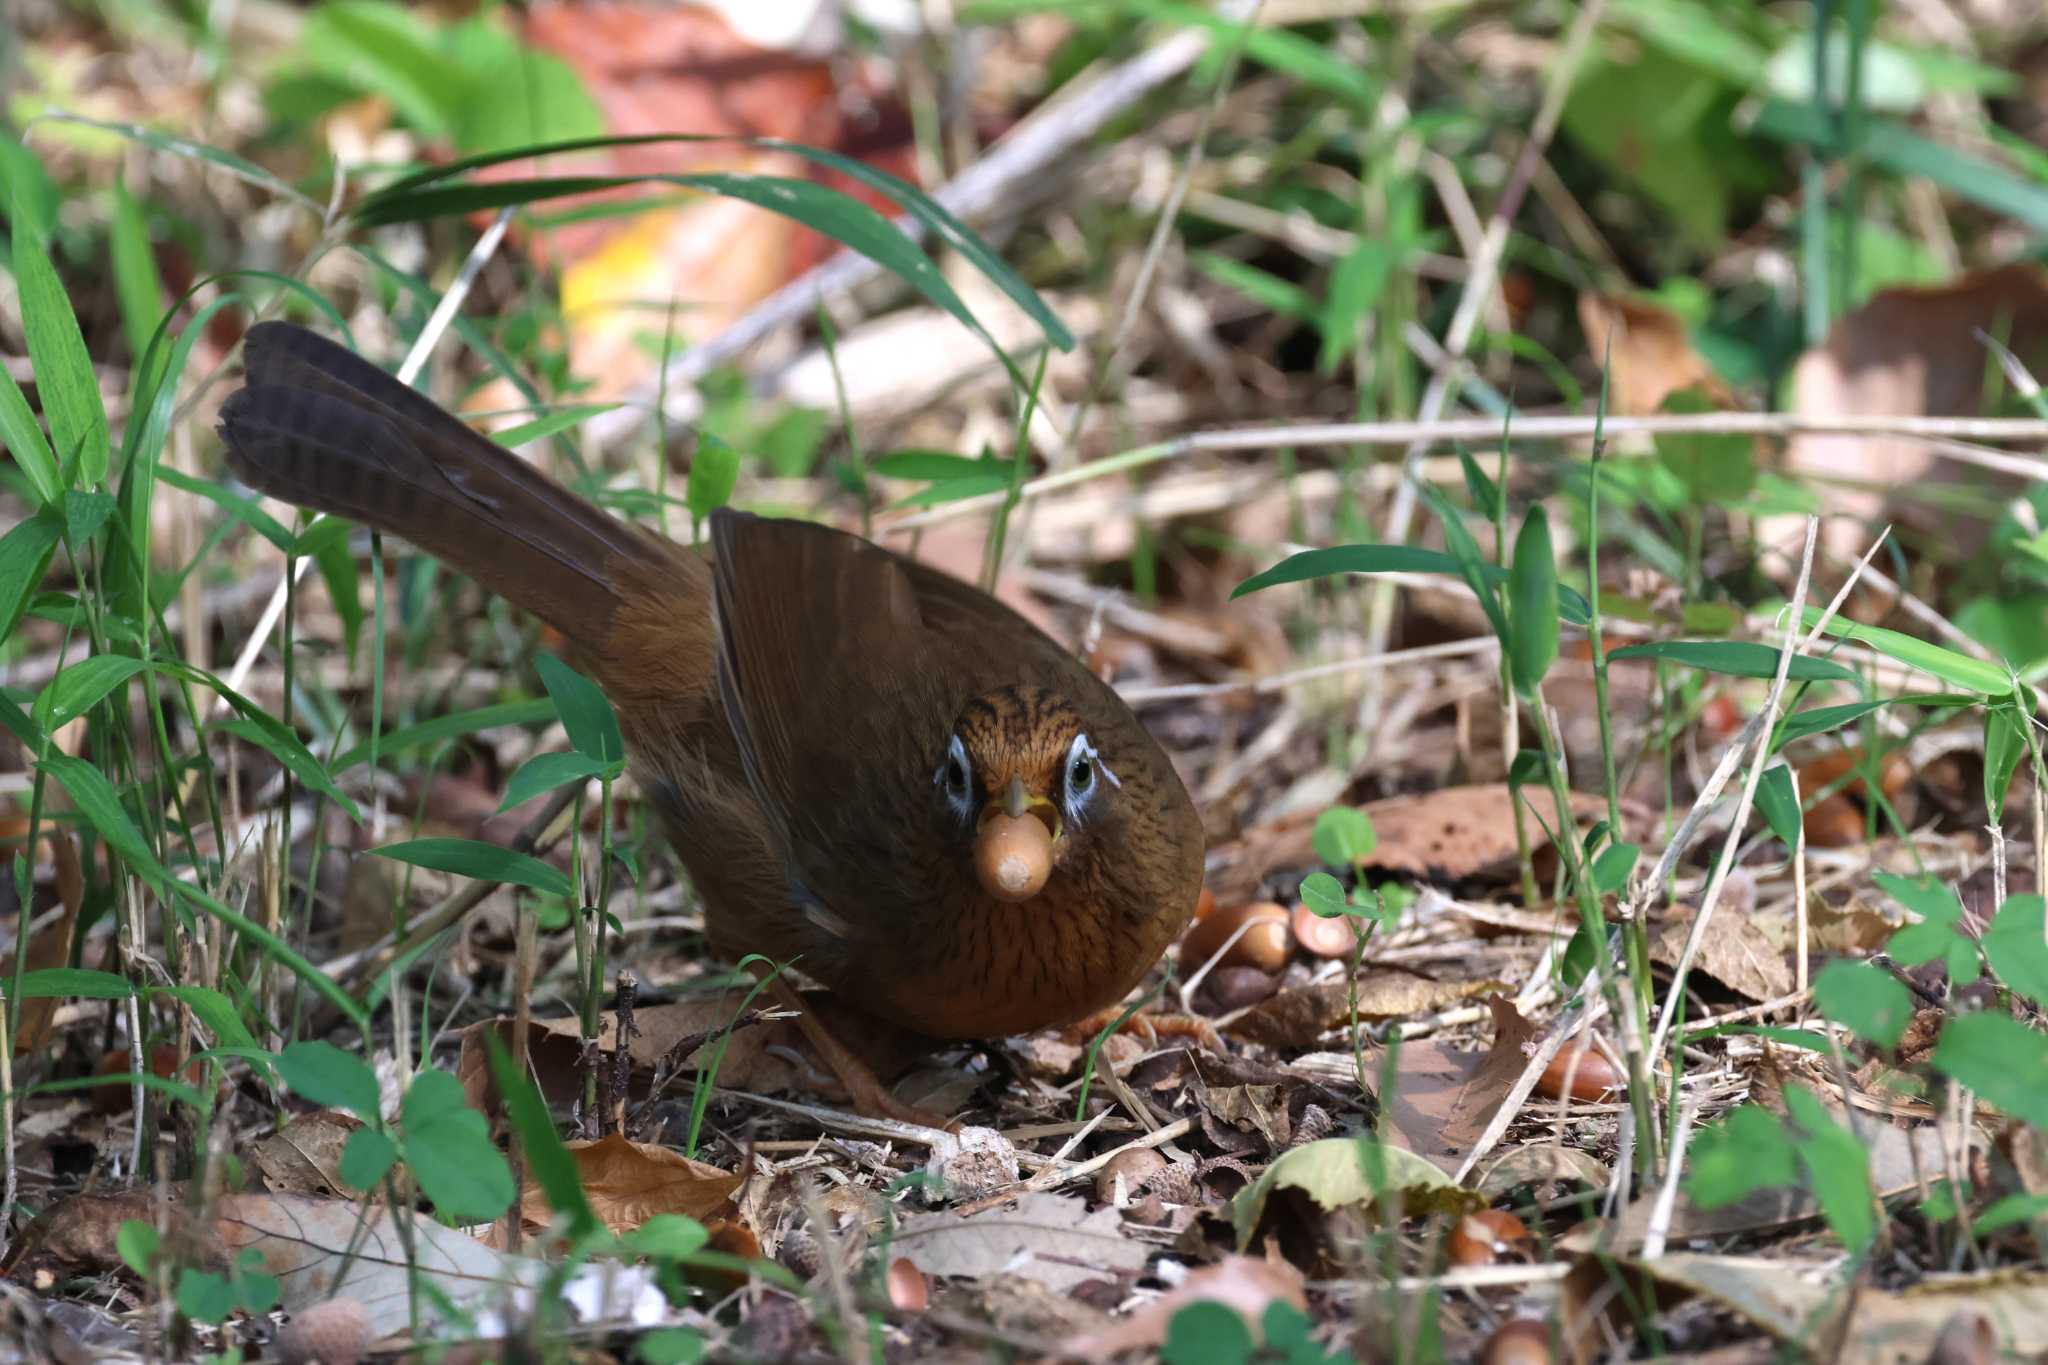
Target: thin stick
1450	431
1768	717
415	360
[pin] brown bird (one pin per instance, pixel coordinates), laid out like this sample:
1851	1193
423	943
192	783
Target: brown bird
867	767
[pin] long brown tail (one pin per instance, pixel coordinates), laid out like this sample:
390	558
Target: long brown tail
319	426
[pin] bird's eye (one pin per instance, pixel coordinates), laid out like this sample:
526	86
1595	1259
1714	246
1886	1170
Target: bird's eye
1084	765
954	775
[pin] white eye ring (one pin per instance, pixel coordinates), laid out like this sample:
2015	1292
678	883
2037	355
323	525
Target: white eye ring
955	779
1078	784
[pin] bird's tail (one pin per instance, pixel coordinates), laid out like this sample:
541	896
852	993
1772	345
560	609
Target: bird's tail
319	426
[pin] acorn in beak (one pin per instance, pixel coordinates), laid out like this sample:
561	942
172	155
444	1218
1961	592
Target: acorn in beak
1013	843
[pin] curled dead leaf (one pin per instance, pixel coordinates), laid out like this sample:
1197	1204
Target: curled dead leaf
629	1182
1298	1017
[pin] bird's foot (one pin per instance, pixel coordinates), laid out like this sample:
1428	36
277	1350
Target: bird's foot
1149	1028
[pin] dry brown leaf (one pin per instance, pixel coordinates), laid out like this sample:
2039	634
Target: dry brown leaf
654	69
1299	1017
1444	1098
1051	1238
1909	352
1653	357
1248	1285
1838	820
627	1183
51	947
1540	1163
304	1156
1743	952
1260	1109
1459	832
1803	1303
1900	1161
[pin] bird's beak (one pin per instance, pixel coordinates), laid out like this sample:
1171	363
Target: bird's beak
1013	843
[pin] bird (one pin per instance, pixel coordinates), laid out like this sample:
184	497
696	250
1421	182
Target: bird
871	771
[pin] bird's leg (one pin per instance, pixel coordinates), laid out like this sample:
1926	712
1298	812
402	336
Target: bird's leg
865	1090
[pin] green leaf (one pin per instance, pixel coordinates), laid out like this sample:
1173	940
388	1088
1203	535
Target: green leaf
380	48
1344	1173
545	772
837	215
665	1236
448	1146
327	1076
1207	1333
1532	604
338	571
481	861
713	472
244	510
365	1158
23	436
931	466
1924	896
516	93
1779	805
1896	148
1343	836
214	1011
84	513
2010	1211
1736	658
79	983
255	1292
1745	1152
550	424
25	557
204	1296
26	194
2001	1059
64	378
1821	719
2005	743
268	734
669	1346
138	1242
2014	947
1612	867
593	727
1714	468
94	797
989	480
1485	496
136	283
1372	559
80	686
1866	1000
549	1162
1958	670
1324	895
1268	291
1527	768
1837	1169
456	725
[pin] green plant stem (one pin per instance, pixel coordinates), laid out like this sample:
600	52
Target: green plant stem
1021	450
1532	895
1595	926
